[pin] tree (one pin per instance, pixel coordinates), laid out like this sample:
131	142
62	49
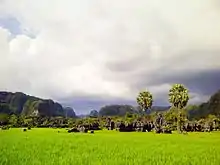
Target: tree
13	120
27	121
4	119
129	117
145	100
171	118
179	97
71	122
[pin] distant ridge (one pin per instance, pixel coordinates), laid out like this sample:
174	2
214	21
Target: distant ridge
21	104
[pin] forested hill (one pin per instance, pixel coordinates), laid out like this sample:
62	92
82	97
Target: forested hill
121	110
211	107
21	104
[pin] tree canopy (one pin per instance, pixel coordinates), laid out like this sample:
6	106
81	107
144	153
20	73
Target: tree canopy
145	100
178	96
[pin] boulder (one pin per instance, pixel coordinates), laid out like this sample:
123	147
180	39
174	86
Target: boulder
73	130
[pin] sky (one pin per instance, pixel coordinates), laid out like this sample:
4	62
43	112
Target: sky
86	54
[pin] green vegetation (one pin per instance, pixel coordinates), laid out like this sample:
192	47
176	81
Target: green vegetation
179	97
156	146
145	100
47	147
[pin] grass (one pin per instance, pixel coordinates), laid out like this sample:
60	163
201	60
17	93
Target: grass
47	147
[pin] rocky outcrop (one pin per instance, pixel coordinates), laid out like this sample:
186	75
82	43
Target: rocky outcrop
69	112
94	113
20	103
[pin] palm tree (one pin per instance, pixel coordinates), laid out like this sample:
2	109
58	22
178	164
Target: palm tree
145	100
179	97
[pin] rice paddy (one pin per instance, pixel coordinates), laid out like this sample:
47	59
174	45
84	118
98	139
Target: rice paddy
48	147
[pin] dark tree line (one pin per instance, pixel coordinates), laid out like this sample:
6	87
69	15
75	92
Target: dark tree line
160	122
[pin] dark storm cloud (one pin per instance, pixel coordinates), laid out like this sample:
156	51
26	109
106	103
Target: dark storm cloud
202	82
196	69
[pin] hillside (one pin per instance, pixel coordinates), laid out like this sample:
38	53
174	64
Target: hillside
211	107
121	110
21	104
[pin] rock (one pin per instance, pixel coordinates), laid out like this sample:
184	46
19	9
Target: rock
94	113
69	112
73	130
20	103
127	128
158	131
167	132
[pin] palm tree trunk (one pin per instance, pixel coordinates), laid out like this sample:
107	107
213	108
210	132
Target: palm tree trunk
179	121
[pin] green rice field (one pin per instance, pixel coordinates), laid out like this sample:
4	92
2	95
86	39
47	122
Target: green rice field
48	147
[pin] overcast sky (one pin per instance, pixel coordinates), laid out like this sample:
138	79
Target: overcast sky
88	53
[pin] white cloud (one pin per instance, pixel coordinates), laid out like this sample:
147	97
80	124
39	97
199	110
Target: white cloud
195	98
75	41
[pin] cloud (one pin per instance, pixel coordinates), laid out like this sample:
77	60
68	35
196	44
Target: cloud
108	49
